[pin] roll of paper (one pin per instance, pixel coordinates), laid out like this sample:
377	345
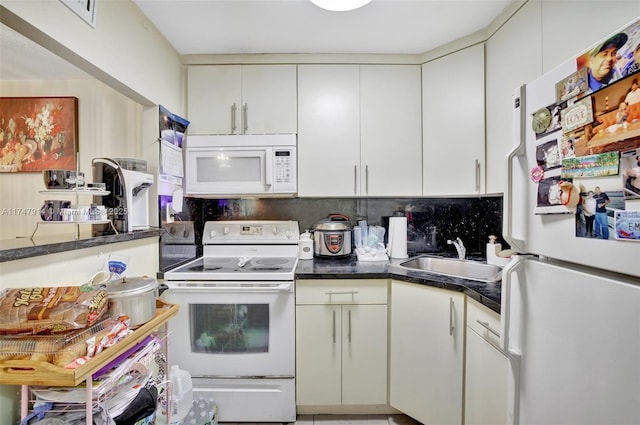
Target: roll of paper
397	237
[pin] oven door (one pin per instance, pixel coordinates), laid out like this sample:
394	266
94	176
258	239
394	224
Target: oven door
233	329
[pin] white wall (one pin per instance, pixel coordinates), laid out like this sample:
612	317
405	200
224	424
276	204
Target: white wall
124	49
110	125
539	37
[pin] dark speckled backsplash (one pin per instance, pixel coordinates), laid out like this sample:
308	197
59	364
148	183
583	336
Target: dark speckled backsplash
430	221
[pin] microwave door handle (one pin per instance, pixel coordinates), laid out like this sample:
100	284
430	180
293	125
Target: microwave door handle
269	160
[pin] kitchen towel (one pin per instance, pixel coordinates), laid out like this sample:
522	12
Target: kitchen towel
397	246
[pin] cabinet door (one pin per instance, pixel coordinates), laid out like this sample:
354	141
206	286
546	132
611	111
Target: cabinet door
453	123
364	354
318	354
426	349
485	382
328	130
391	126
214	99
269	99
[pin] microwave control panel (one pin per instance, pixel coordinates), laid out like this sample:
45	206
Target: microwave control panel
284	168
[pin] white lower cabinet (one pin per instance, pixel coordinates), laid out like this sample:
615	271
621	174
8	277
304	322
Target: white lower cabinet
341	342
427	352
486	368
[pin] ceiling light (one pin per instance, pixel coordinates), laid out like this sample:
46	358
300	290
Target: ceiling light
340	5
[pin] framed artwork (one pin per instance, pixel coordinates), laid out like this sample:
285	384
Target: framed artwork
38	133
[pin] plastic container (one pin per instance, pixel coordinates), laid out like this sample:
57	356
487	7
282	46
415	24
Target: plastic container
50	348
181	393
305	246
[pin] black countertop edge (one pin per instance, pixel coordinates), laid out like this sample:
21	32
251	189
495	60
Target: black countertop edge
26	248
488	294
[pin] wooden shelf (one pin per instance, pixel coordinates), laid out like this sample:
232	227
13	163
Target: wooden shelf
31	372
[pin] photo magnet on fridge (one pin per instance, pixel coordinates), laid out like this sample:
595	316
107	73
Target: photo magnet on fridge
572	86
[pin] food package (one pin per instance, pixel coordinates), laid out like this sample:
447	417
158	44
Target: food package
58	349
50	310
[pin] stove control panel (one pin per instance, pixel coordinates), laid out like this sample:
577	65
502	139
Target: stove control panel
251	232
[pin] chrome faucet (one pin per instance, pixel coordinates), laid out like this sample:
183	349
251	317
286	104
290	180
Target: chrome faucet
462	251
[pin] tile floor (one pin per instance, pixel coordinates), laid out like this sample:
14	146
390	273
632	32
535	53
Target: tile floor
345	420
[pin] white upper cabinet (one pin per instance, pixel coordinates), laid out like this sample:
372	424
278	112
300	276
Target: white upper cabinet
242	99
391	131
453	123
328	130
359	130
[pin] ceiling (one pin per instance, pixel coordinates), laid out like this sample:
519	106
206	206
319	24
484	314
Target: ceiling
298	26
276	26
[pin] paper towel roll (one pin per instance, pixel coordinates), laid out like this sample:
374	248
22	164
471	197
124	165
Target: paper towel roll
397	237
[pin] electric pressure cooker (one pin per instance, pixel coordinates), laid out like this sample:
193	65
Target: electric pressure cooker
332	236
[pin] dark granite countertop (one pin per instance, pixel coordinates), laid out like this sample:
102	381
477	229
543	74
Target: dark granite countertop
19	248
487	294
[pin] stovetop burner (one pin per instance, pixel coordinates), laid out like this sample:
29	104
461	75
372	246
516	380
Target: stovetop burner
271	261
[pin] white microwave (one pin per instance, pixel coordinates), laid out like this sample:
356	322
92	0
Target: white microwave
241	165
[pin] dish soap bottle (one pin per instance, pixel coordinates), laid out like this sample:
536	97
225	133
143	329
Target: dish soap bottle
493	250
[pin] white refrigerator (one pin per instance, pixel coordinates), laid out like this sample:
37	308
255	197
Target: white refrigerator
570	300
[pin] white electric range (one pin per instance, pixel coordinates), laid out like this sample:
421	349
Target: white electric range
235	330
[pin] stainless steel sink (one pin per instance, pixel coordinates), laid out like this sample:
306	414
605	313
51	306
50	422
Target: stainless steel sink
466	269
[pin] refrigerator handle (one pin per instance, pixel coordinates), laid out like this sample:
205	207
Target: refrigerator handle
513	353
518	150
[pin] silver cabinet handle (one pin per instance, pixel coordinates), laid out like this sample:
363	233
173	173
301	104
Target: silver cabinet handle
477	176
334	326
234	127
245	118
349	333
355	179
366	181
451	308
331	293
352	292
487	327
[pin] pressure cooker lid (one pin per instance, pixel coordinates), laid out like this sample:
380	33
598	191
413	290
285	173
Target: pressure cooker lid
332	225
128	286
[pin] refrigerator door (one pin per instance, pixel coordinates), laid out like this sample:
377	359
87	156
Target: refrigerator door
551	235
573	339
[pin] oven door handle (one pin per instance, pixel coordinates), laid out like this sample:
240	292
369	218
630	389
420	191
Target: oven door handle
213	288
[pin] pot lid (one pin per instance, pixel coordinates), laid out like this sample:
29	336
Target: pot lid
131	286
333	222
332	225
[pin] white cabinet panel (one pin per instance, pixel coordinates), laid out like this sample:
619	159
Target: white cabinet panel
212	94
453	123
486	368
364	354
242	99
341	348
270	95
426	349
328	130
318	354
359	130
391	130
